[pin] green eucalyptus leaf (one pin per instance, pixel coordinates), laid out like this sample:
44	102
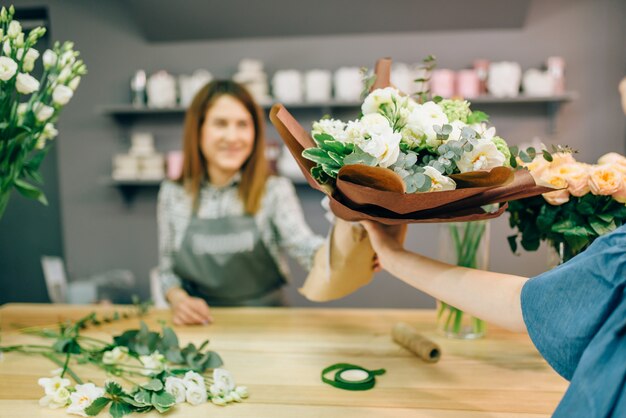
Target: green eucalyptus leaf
547	156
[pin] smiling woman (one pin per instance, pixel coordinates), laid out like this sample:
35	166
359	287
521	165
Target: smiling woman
225	225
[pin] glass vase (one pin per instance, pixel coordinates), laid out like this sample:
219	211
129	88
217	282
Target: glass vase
465	244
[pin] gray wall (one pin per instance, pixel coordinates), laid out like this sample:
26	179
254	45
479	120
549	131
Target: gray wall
101	231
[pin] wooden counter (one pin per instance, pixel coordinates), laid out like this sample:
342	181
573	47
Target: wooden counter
279	353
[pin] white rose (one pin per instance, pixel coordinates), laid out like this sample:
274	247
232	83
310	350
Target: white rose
176	387
44	113
74	83
83	397
52	385
223	381
26	83
422	119
49	58
8	68
118	354
14	29
62	95
154	363
378	98
193	378
439	182
195	394
484	156
332	127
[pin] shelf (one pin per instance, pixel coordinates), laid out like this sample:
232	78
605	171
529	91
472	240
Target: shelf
131	183
127	110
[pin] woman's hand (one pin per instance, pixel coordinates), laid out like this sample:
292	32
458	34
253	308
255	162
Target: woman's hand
385	239
188	310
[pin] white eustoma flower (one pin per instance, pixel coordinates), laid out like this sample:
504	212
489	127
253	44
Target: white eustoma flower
49	58
19	54
154	363
74	83
26	83
6	47
52	384
29	59
14	29
64	74
223	381
378	98
193	378
43	112
195	394
176	387
68	58
332	127
422	119
484	156
19	40
439	182
50	132
242	391
61	95
218	400
83	397
380	141
118	354
58	399
8	68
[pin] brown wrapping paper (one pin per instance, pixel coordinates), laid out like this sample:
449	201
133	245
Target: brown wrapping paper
407	337
344	267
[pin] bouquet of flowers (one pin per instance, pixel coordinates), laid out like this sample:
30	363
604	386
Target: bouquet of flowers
385	165
29	107
590	202
161	373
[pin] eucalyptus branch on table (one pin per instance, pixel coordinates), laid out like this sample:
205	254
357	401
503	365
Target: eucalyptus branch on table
161	372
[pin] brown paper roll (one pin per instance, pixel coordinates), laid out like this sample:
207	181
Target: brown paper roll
407	337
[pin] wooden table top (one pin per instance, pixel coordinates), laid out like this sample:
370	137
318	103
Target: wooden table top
279	353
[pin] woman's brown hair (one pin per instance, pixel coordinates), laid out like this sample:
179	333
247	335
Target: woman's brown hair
254	171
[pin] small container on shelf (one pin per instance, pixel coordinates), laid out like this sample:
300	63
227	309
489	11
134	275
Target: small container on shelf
467	84
442	83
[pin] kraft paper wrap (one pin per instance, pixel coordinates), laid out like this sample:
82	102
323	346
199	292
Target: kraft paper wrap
407	337
378	194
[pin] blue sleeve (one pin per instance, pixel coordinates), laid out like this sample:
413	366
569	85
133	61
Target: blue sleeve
565	307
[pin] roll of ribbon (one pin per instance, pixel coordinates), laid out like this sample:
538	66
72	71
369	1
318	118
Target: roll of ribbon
407	337
351	377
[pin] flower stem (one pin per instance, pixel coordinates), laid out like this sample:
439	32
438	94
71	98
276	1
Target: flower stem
58	362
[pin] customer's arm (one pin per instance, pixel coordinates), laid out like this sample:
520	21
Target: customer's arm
494	297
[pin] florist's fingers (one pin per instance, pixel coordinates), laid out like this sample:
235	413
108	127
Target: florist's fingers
200	307
190	315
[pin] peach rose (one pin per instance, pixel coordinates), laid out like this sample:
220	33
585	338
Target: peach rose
620	195
560	158
605	179
612	158
552	178
577	177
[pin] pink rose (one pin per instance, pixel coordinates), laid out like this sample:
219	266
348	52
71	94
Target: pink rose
605	179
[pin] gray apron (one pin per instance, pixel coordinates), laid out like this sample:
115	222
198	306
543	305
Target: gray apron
225	262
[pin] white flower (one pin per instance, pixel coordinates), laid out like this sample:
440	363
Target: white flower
242	391
8	68
19	54
223	381
6	47
50	132
49	58
195	394
19	40
439	182
83	397
332	127
14	29
64	74
26	83
380	141
422	119
57	372
176	387
58	399
483	130
74	83
484	156
378	98
53	384
118	354
217	400
457	128
62	95
154	363
29	59
68	58
43	112
193	378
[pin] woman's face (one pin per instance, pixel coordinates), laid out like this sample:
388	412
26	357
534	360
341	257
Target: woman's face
227	136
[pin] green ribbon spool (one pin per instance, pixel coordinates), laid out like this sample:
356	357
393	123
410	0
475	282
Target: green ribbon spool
351	377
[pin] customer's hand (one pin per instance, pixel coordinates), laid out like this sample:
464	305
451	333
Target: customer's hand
384	239
188	310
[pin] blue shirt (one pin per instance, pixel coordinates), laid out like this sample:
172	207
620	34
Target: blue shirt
576	317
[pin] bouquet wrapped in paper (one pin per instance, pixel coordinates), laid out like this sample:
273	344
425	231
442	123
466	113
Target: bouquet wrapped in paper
404	162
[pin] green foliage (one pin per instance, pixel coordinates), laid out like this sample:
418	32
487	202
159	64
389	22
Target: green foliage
576	223
428	65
